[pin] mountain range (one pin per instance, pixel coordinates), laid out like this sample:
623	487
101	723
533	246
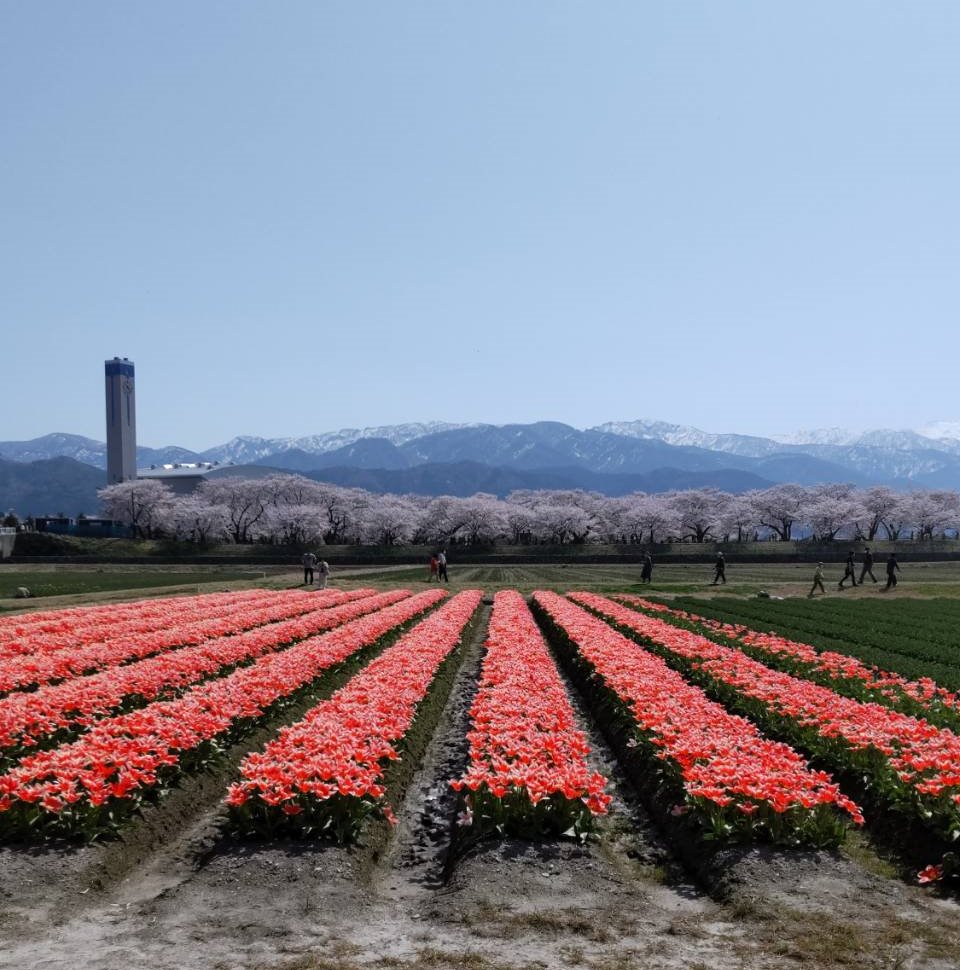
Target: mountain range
612	458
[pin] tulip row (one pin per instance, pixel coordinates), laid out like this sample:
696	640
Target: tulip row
87	786
51	714
325	775
728	779
847	675
33	670
527	771
66	618
51	632
912	766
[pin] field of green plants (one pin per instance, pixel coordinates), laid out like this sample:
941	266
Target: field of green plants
78	581
913	637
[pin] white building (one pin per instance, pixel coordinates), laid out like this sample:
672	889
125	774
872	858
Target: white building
183	477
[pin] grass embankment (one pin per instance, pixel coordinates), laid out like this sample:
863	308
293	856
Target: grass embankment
64	581
72	584
941	579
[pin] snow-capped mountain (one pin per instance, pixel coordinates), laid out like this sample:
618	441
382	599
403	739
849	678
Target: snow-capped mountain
905	440
940	436
56	445
677	434
248	450
940	430
902	458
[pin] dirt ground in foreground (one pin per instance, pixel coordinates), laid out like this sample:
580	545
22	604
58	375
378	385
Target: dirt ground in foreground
618	903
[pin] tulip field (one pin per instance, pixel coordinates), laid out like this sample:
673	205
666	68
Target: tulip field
101	709
308	718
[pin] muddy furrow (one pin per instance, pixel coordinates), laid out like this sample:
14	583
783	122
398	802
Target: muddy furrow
419	854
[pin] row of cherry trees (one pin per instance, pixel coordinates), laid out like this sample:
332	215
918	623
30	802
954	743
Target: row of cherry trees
291	510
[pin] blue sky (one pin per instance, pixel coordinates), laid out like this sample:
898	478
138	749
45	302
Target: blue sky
304	216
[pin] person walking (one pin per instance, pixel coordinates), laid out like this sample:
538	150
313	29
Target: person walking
893	567
309	561
646	573
324	573
850	571
817	581
442	576
867	568
720	570
434	566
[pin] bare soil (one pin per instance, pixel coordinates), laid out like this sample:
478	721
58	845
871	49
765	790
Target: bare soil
178	892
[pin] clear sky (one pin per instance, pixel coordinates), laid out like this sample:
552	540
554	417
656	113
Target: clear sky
301	216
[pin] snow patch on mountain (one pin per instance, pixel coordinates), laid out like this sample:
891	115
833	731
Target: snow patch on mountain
818	436
246	449
747	446
939	430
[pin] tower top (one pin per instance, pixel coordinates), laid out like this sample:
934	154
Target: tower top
118	367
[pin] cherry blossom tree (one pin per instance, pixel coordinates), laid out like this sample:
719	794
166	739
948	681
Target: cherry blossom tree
391	521
564	517
343	510
141	504
438	519
655	516
295	510
738	519
897	519
615	525
484	519
933	510
778	508
293	513
697	511
521	524
191	519
829	509
878	503
242	501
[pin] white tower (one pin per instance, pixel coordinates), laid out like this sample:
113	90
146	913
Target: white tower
121	421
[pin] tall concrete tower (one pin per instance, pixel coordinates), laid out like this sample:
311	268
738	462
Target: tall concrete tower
121	421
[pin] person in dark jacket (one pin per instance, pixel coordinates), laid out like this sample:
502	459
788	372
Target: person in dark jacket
720	570
646	573
867	568
893	567
849	572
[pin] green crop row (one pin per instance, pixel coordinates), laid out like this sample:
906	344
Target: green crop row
906	645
